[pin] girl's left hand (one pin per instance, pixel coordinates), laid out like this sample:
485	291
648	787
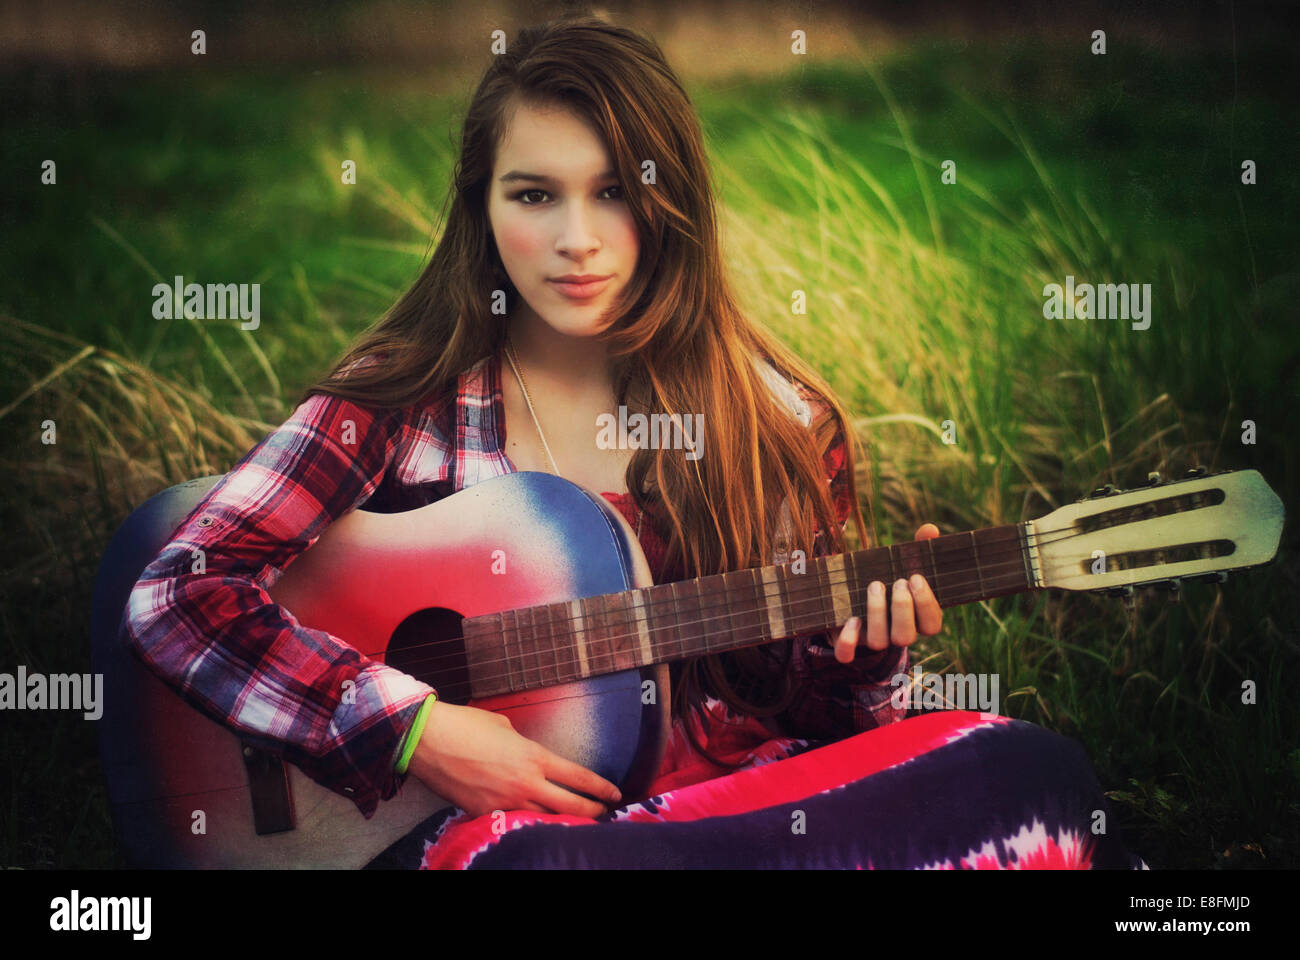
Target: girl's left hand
913	609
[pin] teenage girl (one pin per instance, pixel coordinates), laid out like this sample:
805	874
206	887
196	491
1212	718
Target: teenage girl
580	270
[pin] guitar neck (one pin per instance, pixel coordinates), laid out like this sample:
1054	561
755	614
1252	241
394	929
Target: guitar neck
554	643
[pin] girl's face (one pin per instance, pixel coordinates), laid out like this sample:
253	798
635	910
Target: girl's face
557	209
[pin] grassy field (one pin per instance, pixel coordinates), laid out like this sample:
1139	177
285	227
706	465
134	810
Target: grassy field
925	305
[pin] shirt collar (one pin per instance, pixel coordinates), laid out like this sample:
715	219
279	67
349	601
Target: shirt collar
480	423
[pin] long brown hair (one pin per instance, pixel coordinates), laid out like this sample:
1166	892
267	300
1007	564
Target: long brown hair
678	341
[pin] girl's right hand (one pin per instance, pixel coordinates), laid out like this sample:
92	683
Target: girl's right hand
475	759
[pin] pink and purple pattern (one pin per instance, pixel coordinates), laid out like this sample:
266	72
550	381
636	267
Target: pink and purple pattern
949	790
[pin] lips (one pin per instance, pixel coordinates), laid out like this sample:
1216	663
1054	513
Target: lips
580	289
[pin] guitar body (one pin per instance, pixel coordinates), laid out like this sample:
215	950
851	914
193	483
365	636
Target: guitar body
386	584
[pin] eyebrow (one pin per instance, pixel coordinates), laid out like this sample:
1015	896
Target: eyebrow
514	175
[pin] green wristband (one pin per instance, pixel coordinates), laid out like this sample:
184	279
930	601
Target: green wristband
413	735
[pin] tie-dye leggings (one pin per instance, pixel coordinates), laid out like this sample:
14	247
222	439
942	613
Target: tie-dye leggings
948	790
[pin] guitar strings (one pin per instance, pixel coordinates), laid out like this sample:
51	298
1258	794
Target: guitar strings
567	647
605	662
807	592
806	585
565	653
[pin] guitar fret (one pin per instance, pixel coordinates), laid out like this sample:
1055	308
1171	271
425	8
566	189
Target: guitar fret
634	616
613	639
505	649
524	652
719	622
690	628
618	645
745	614
934	573
793	587
748	618
552	642
785	594
630	626
955	552
798	625
578	623
677	620
748	613
602	643
775	619
852	584
599	604
593	635
863	574
539	648
613	643
727	592
567	652
838	585
911	561
806	611
832	598
567	649
519	652
528	645
521	649
659	635
943	584
641	616
979	573
703	623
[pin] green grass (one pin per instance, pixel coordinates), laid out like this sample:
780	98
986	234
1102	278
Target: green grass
924	306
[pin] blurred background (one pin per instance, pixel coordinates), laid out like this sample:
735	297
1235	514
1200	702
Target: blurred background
925	305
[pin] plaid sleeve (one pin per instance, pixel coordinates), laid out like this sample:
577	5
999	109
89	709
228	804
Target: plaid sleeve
833	700
212	632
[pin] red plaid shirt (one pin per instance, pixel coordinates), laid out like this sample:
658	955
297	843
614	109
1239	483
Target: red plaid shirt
217	638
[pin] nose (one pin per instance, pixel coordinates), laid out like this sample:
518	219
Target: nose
577	238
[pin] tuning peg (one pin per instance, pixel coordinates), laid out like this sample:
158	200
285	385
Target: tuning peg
1153	478
1197	472
1124	593
1107	491
1172	586
1219	576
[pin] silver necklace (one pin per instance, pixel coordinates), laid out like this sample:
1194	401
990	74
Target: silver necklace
514	365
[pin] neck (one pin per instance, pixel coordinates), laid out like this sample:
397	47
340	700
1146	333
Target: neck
575	366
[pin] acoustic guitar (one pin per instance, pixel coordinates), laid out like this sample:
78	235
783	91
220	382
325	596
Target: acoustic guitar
529	595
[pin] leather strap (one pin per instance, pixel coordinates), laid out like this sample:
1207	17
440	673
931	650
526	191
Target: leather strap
268	783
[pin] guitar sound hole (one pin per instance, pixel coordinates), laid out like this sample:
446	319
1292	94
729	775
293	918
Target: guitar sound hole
428	645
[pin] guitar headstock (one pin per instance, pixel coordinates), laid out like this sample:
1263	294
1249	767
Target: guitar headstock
1159	534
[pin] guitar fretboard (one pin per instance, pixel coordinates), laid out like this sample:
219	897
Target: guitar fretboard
573	640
